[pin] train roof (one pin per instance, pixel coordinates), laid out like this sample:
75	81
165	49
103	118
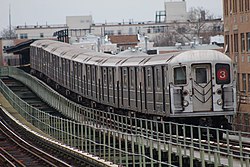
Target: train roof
200	56
129	57
47	43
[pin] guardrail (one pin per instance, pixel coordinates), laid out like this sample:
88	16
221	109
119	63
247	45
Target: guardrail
140	141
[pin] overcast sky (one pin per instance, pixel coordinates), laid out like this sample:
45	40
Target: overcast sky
32	12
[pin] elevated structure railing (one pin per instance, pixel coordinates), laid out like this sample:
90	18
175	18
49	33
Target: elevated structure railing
127	140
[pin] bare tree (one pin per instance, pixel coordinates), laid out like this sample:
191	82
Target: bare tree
200	17
169	38
200	14
8	33
200	26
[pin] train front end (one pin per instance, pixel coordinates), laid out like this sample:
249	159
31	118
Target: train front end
202	85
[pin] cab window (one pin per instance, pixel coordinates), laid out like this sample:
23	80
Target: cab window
201	75
180	75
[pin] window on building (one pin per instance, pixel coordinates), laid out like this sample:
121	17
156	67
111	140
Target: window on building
24	36
148	30
242	59
244	82
109	32
119	32
230	6
247	7
241	5
242	35
130	31
235	6
248	41
248	77
227	42
248	59
236	45
41	35
238	81
226	7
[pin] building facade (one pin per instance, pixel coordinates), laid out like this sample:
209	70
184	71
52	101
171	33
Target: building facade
176	11
79	22
38	31
11	59
237	41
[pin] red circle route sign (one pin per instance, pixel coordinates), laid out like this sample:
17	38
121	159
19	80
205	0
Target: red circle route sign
222	74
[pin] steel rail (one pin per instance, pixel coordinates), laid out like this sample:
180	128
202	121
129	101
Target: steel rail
28	149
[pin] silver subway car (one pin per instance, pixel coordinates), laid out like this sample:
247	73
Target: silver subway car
202	82
191	86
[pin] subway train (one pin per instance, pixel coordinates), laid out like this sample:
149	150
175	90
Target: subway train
196	86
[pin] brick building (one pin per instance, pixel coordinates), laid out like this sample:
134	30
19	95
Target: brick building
237	40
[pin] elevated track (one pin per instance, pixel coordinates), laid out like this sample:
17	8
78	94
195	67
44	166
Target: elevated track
126	140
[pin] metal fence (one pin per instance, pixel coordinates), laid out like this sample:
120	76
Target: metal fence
126	140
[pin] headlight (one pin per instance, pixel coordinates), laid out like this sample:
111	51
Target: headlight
185	103
219	102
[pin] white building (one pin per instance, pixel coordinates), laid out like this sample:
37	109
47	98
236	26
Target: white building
150	28
79	26
176	11
79	22
5	58
38	31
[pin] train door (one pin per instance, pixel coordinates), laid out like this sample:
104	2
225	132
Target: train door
202	87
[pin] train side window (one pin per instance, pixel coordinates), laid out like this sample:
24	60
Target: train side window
104	76
125	77
149	77
50	59
93	73
110	77
132	78
76	70
157	78
201	75
88	74
79	70
180	75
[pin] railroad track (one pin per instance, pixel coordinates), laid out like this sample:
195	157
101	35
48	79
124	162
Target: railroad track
131	127
71	156
17	152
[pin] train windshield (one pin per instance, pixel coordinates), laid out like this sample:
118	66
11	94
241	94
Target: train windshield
180	75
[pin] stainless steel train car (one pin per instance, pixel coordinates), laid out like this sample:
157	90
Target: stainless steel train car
195	86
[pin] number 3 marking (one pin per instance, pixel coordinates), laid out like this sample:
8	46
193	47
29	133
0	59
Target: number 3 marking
222	74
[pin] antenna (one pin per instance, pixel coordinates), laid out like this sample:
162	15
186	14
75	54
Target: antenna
10	21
